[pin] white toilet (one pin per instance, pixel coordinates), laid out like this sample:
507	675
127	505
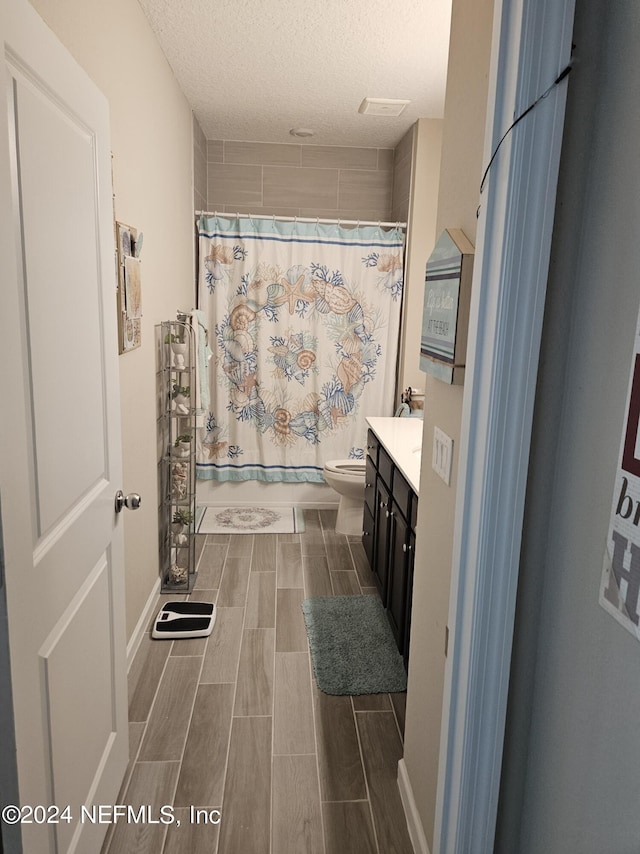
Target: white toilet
347	478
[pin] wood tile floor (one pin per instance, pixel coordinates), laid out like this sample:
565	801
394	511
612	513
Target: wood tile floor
235	722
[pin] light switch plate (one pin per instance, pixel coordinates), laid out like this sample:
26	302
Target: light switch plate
442	455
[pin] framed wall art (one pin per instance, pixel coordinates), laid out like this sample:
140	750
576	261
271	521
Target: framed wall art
445	318
128	246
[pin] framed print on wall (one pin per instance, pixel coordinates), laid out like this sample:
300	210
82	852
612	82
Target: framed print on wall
445	318
128	245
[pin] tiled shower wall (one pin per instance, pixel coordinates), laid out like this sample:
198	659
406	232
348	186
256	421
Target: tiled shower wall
199	167
330	182
402	166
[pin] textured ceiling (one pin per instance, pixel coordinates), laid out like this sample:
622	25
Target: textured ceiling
253	69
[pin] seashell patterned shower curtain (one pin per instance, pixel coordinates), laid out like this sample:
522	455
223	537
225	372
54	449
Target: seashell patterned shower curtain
304	322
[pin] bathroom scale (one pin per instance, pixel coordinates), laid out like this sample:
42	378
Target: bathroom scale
184	620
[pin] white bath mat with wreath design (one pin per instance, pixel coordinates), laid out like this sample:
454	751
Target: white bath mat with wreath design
251	520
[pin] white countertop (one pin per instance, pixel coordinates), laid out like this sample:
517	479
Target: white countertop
402	438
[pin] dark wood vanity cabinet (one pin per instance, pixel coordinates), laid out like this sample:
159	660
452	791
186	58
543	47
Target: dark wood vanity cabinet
381	527
390	514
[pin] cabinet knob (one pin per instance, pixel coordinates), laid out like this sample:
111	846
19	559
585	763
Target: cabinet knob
368	485
383	504
388	514
404	547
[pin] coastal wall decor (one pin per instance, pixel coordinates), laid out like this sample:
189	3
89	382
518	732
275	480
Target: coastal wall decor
128	247
445	318
620	582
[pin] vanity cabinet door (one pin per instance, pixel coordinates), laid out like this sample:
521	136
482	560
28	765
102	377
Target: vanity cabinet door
397	575
370	485
373	444
381	545
368	534
411	556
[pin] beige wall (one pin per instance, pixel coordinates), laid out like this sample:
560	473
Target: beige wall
151	132
460	173
327	181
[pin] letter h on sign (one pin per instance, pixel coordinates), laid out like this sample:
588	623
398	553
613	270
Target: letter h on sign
613	593
630	461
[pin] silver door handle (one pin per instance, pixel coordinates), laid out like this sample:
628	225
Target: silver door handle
131	501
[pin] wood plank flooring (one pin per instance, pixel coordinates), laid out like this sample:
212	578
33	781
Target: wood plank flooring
235	723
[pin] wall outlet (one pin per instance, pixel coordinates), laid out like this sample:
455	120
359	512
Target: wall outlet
442	455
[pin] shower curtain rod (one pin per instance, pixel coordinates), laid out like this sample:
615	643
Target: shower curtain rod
305	219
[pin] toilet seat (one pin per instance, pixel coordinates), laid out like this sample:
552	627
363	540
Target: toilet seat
346	467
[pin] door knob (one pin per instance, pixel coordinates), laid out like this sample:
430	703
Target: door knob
131	501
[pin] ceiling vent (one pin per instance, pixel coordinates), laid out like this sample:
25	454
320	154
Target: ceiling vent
382	107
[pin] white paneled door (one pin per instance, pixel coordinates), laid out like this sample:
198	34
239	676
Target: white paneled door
60	455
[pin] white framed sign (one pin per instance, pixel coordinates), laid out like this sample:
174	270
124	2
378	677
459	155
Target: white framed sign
620	583
445	318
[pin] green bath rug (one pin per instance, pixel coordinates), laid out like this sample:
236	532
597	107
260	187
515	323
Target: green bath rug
352	647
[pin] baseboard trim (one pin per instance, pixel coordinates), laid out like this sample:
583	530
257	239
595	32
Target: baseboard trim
414	824
138	632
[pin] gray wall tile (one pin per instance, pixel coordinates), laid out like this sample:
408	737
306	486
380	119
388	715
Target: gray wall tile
233	184
287	186
262	210
281	179
215	150
339	157
386	157
402	176
199	139
367	190
355	215
262	153
199	202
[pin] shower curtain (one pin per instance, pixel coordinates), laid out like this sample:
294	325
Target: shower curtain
304	322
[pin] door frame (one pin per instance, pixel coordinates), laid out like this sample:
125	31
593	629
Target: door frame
531	45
